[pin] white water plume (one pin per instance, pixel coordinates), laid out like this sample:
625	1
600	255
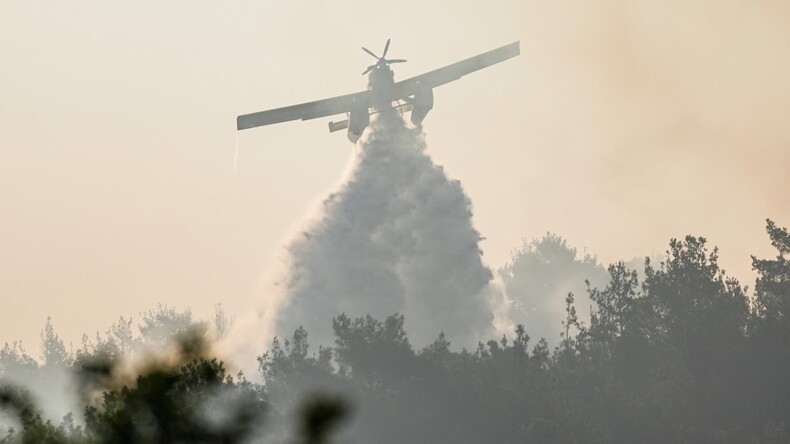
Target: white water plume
397	237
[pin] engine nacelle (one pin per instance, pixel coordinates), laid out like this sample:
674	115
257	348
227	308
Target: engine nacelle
358	121
423	102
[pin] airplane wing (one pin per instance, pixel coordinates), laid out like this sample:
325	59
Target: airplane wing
457	70
303	111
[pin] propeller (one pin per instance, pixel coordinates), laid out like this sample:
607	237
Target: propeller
370	52
381	61
386	48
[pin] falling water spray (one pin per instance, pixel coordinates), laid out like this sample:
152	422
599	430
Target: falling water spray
396	237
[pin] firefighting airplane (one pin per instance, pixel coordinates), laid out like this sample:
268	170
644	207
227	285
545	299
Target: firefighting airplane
414	94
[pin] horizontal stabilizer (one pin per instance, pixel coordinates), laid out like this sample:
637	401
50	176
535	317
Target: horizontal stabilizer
337	126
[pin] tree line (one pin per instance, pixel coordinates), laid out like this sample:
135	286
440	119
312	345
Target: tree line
676	351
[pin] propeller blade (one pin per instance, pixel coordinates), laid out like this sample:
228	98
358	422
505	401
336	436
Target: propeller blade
370	52
370	68
397	61
386	48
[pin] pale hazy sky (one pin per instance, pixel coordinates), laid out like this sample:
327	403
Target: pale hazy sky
621	125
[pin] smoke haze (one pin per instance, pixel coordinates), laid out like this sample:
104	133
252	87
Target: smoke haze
620	126
678	115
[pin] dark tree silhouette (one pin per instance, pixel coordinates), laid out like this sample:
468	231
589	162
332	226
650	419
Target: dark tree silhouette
676	352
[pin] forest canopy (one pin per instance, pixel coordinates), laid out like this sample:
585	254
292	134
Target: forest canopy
676	351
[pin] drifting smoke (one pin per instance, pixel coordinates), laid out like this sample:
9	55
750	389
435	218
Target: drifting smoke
396	238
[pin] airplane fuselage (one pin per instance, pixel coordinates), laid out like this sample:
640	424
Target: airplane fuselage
381	83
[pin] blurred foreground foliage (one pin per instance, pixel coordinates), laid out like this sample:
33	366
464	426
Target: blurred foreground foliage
675	352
